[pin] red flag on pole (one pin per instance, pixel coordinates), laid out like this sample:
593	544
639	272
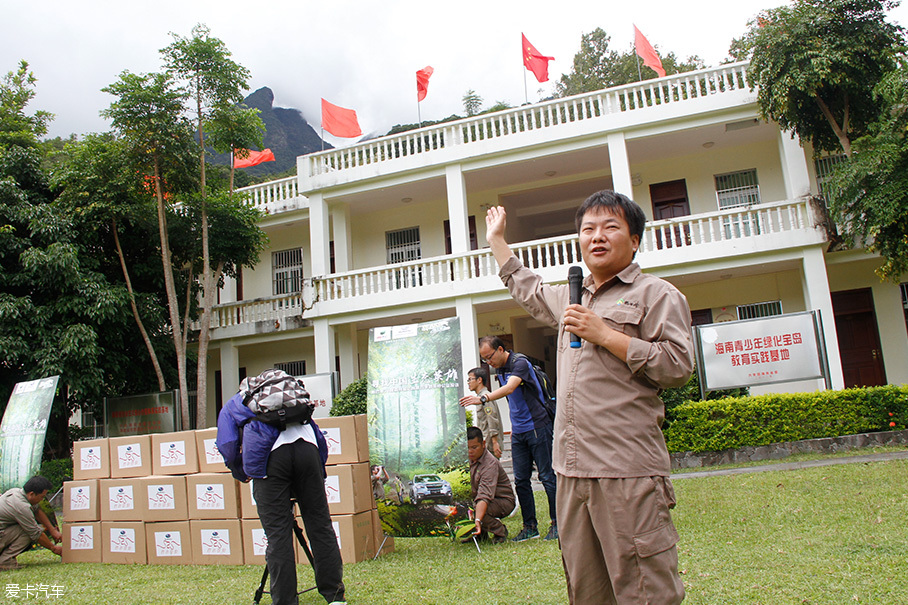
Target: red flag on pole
534	61
422	82
339	121
646	52
254	158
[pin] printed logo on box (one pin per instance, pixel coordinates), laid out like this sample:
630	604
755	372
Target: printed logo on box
212	455
160	497
130	455
216	542
337	532
259	542
122	540
80	498
168	544
90	458
332	489
209	497
82	537
333	437
173	454
120	498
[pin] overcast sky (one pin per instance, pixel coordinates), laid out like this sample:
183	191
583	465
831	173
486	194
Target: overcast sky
360	54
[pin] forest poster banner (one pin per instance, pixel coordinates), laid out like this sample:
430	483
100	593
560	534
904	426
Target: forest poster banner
23	430
417	429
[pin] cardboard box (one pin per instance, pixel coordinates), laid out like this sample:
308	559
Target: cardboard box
355	536
348	438
174	453
81	501
164	497
169	543
82	542
91	459
255	542
212	496
121	500
216	542
248	509
123	542
130	456
349	488
210	459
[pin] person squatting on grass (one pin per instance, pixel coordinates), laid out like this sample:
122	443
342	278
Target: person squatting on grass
490	489
20	515
617	537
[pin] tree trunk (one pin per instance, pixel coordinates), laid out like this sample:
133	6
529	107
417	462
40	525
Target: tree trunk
172	304
841	132
135	310
204	339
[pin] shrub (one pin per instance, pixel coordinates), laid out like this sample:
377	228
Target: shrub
352	400
57	471
736	422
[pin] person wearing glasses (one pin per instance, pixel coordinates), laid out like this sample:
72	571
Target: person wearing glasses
531	431
488	418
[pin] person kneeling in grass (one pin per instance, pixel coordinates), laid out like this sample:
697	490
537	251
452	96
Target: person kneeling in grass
19	522
490	488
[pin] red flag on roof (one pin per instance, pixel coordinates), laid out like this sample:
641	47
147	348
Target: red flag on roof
422	82
646	52
534	61
254	158
339	121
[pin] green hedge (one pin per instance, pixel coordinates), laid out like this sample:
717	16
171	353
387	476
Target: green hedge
702	426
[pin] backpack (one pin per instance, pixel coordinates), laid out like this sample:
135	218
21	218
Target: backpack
277	399
545	387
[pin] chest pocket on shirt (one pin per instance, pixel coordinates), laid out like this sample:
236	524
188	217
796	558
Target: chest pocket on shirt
623	318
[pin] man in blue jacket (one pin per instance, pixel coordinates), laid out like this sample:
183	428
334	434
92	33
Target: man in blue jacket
286	465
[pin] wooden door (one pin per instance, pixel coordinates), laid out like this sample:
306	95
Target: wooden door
670	201
859	338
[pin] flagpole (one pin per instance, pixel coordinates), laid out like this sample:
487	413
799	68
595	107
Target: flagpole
526	96
639	75
323	138
418	114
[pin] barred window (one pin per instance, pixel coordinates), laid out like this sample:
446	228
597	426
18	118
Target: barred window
294	368
403	245
824	167
763	309
90	422
287	271
736	189
904	288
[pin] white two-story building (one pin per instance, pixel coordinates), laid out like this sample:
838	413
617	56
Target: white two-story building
391	231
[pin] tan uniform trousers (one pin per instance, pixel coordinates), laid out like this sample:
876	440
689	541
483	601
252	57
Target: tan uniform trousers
618	541
13	542
497	508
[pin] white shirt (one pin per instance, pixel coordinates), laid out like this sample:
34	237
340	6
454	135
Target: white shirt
294	432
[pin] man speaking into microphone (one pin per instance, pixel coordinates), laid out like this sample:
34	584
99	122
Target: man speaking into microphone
623	336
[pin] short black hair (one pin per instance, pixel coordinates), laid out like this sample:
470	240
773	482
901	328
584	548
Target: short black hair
474	433
493	341
482	374
37	485
615	203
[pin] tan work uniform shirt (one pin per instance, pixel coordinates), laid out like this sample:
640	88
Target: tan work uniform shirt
609	418
489	481
488	418
15	509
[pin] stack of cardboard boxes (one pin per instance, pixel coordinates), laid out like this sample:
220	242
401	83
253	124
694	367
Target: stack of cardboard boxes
169	499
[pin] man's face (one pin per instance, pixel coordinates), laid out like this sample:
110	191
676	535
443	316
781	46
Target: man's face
475	449
606	243
473	383
34	498
493	357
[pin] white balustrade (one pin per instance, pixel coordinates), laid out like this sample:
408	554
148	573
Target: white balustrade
263	194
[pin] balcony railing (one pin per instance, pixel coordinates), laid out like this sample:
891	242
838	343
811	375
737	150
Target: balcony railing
549	116
274	196
698	238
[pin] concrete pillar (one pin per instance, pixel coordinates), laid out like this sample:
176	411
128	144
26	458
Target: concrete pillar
469	336
318	234
228	292
343	250
457	209
795	171
324	346
349	353
230	369
620	165
890	318
817	297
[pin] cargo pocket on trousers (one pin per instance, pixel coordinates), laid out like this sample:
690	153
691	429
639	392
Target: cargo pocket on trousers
655	541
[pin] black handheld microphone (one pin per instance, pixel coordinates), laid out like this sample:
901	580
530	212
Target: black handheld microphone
575	285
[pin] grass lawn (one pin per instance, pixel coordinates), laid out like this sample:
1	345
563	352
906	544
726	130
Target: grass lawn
828	535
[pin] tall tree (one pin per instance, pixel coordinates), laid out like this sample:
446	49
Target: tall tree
148	113
869	192
596	66
472	103
216	84
815	64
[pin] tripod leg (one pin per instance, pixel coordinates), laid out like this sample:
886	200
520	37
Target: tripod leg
261	589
